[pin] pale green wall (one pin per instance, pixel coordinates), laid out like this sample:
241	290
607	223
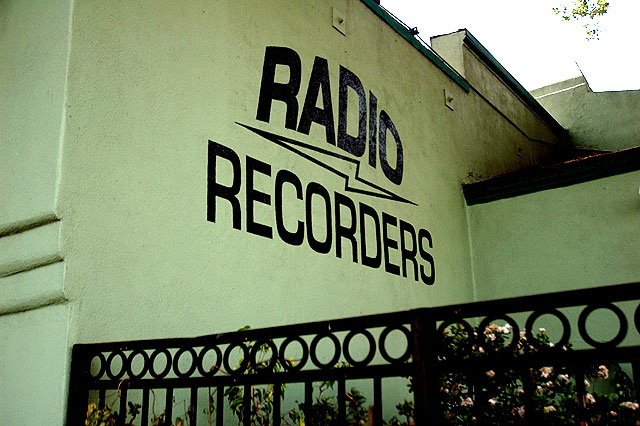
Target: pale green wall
585	235
538	140
34	348
605	121
151	82
34	319
34	42
123	249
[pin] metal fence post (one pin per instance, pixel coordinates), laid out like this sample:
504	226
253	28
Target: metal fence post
78	392
425	377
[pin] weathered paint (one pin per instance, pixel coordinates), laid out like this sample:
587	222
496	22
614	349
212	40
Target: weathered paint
134	185
109	197
602	121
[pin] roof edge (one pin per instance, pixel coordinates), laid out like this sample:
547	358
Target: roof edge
538	179
430	55
492	63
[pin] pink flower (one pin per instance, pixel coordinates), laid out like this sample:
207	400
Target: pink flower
549	409
546	371
492	401
504	330
603	372
490	373
468	402
491	329
590	399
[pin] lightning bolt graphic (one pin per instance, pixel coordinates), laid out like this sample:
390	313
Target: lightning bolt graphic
297	147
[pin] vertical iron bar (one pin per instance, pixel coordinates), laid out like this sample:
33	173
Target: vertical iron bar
144	418
581	394
123	390
168	406
247	406
220	405
377	401
102	398
531	415
78	387
308	399
277	397
193	406
635	369
342	396
425	375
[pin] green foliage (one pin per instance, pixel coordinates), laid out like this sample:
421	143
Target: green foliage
494	397
106	416
406	411
497	397
100	416
260	397
584	9
324	410
610	400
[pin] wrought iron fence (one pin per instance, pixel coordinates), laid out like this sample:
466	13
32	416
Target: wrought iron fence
456	359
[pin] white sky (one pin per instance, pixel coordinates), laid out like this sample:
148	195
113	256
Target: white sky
532	43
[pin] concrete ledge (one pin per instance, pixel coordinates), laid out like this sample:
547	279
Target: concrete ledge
33	289
30	247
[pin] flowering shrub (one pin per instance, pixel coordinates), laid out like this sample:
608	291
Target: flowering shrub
502	395
497	396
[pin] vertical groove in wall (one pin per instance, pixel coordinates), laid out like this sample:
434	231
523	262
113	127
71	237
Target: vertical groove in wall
474	290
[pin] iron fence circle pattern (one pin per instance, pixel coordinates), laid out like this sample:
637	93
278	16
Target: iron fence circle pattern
286	363
152	363
370	354
383	348
256	349
215	367
243	363
123	367
622	331
636	319
314	346
566	326
145	364
176	361
103	365
515	330
443	329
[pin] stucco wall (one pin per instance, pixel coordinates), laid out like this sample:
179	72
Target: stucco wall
606	121
581	236
34	43
34	320
33	366
540	138
150	83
